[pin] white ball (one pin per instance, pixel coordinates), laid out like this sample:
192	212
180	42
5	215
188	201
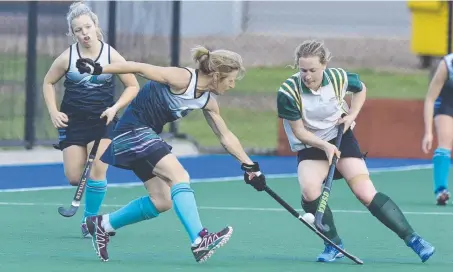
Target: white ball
309	218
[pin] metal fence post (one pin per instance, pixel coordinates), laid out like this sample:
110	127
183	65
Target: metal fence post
30	78
175	47
112	24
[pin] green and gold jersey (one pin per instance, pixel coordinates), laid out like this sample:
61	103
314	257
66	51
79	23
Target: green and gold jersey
320	110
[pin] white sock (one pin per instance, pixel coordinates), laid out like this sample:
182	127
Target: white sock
106	223
197	241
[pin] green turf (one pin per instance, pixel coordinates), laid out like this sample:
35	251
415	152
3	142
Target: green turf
266	238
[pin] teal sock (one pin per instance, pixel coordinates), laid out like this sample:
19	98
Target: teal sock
137	210
186	209
441	161
95	193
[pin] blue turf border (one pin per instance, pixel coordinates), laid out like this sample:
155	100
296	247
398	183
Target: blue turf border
199	167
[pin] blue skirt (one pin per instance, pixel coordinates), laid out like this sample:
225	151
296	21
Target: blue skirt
129	146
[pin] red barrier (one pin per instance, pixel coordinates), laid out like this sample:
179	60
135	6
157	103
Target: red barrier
385	129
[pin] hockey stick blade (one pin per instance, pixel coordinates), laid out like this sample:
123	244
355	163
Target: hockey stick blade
71	211
78	194
68	212
298	216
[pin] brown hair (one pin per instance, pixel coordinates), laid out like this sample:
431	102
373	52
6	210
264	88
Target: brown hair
312	48
221	61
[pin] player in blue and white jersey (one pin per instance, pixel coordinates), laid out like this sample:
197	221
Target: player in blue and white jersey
171	94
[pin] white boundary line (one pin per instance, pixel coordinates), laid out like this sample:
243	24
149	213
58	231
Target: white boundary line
32	204
224	179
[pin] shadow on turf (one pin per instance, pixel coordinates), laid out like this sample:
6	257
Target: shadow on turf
229	260
239	259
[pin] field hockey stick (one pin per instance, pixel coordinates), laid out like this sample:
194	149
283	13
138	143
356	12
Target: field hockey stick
328	185
312	228
82	184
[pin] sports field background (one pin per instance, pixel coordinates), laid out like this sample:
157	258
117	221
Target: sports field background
252	100
35	237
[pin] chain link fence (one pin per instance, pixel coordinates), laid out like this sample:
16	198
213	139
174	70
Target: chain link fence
370	35
20	94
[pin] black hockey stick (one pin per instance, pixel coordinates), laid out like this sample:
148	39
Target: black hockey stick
298	216
328	185
82	184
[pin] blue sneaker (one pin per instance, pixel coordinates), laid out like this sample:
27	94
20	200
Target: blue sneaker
423	249
330	253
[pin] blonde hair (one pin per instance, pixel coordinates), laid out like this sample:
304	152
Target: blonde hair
312	48
78	9
221	61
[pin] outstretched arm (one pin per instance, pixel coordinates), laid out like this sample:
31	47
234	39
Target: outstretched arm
174	76
228	140
252	171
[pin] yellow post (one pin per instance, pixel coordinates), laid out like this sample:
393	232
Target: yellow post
429	34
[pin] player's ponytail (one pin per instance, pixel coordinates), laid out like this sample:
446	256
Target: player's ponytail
200	55
78	9
220	61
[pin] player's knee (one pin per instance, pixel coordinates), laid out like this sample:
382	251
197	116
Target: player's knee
310	190
310	186
178	176
98	170
73	182
362	188
311	194
162	203
73	176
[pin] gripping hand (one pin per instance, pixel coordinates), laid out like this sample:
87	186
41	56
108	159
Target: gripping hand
85	65
253	176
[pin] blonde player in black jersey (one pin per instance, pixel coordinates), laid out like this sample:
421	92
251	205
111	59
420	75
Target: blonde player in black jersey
88	109
438	109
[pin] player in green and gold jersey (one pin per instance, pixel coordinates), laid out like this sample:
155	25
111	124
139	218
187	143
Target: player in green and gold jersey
311	104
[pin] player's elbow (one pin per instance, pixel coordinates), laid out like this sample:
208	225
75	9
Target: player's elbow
227	138
47	86
303	135
133	89
429	98
432	93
